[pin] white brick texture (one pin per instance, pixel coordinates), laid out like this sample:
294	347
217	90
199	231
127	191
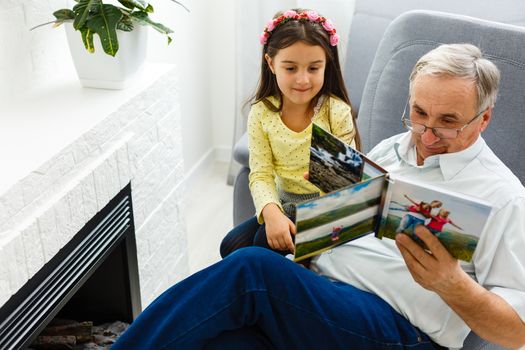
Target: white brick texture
138	143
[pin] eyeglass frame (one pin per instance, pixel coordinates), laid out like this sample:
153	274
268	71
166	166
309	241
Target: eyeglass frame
405	122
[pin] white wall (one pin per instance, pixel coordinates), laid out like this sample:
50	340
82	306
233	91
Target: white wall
222	64
29	58
203	47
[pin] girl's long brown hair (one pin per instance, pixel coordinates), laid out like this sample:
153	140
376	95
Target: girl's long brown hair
313	34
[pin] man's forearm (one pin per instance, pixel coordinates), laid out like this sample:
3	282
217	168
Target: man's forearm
487	314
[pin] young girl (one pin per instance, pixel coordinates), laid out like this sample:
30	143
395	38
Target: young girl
300	83
437	222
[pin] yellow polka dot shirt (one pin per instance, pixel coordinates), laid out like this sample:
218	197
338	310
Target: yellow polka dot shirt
279	156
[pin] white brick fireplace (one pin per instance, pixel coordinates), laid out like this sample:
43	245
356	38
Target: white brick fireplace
66	151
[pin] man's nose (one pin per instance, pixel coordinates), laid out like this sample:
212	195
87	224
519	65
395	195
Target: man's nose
428	137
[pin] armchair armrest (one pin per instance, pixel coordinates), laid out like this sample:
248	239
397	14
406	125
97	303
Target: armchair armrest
240	151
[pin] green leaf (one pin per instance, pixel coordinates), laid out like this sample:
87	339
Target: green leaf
87	39
104	24
143	19
82	11
131	4
125	24
64	15
149	9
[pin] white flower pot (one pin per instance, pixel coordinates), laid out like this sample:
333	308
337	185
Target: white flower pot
99	70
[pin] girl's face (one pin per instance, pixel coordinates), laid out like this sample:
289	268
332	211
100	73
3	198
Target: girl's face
299	70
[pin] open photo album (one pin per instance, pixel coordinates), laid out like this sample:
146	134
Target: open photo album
362	198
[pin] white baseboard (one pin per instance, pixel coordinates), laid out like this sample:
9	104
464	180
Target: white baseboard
223	154
205	164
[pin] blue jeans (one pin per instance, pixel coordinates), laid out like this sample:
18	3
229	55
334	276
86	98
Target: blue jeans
247	234
408	223
256	299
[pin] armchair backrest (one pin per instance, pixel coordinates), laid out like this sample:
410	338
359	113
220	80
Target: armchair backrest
372	17
413	34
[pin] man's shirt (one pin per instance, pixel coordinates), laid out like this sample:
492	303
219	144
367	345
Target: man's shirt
499	260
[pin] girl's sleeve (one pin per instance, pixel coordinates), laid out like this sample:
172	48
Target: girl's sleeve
262	182
341	121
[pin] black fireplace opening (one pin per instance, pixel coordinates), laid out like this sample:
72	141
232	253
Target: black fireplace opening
105	296
93	278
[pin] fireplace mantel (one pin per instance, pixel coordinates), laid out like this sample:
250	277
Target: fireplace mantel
38	125
66	151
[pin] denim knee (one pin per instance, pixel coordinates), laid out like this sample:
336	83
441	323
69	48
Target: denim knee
254	258
253	253
225	248
240	236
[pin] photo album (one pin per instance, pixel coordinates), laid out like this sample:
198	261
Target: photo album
362	198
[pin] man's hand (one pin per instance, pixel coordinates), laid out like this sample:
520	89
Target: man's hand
436	269
486	313
278	228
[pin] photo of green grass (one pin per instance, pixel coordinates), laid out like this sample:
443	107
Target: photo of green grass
336	214
316	246
338	217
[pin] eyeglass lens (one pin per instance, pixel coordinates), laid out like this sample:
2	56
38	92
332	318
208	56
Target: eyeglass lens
444	133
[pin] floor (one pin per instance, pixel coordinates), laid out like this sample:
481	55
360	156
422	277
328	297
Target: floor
207	221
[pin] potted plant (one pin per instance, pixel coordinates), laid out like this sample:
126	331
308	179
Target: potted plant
118	28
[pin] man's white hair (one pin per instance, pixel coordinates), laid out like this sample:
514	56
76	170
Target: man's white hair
462	61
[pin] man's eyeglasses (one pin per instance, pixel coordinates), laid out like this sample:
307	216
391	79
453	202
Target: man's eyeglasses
441	132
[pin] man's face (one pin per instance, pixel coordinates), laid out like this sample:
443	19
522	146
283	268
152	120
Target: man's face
445	101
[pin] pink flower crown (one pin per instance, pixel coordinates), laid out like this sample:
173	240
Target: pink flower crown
292	15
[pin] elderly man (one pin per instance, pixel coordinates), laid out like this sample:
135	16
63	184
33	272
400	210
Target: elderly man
370	293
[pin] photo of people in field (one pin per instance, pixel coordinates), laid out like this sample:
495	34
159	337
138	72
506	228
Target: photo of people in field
338	217
455	220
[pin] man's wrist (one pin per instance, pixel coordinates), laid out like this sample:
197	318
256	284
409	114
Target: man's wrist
464	290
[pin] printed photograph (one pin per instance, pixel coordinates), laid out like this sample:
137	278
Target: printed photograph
456	221
333	163
338	217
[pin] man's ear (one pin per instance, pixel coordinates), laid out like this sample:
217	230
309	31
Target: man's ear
270	62
486	117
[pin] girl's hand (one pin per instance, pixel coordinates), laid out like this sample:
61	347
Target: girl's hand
279	228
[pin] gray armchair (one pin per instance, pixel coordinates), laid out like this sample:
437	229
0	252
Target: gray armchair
406	39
